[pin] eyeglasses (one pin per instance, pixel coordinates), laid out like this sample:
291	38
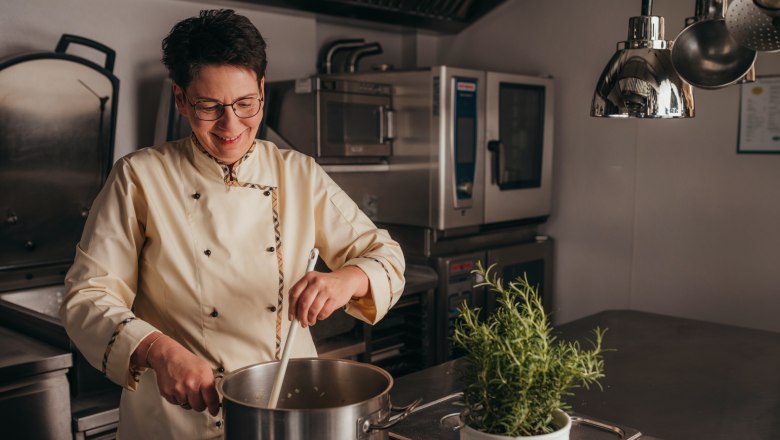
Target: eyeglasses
213	110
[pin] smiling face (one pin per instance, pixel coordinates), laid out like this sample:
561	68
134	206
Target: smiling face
229	137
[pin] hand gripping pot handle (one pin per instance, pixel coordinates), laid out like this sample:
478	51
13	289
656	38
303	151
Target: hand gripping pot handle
365	426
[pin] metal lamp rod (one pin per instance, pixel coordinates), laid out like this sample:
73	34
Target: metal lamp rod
647	7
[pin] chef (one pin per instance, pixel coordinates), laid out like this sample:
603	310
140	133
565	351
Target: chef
192	261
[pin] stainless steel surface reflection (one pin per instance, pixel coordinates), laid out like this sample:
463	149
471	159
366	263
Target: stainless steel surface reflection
35	313
57	120
54	132
45	302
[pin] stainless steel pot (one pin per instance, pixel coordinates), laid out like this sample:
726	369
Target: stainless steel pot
320	398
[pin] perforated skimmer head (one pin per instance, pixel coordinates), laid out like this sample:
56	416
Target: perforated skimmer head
753	26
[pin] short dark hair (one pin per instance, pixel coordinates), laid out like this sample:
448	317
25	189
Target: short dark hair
216	36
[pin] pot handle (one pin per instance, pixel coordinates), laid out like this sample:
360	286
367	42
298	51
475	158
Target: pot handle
218	377
408	409
598	425
459	394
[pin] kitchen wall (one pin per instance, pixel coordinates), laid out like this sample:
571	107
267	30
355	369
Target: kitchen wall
661	216
654	215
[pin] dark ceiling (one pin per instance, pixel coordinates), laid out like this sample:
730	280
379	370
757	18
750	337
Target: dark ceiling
445	16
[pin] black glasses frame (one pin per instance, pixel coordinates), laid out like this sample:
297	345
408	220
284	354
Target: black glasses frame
221	107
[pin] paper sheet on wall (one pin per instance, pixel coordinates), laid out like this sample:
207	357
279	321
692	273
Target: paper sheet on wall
759	125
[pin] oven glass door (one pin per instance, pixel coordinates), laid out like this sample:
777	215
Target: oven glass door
530	260
354	125
521	131
519	147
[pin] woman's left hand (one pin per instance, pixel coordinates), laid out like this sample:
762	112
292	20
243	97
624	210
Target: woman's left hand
316	295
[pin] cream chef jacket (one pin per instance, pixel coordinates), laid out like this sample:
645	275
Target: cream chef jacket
177	242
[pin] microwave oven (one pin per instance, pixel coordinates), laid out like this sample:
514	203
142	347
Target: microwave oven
471	148
332	119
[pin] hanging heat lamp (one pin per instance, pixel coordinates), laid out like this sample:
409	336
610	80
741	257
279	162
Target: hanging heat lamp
640	81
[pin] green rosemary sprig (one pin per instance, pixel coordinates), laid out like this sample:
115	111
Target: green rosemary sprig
517	372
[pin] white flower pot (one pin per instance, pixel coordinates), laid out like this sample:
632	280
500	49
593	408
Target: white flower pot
561	420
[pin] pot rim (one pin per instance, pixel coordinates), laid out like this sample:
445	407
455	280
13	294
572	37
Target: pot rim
224	379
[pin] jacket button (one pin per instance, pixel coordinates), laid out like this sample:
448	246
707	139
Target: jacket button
219	423
207	252
271	249
271	308
221	369
214	313
267	193
196	196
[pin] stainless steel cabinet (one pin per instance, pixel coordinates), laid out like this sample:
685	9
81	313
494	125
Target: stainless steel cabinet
34	391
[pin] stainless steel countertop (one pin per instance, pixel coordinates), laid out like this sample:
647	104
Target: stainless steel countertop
441	380
22	356
680	378
96	410
419	278
670	378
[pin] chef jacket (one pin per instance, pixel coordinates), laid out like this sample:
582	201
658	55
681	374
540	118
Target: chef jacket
180	243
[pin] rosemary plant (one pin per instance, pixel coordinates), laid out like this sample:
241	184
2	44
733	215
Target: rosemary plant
516	372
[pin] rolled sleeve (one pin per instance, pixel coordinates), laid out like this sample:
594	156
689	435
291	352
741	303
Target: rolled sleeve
119	353
382	292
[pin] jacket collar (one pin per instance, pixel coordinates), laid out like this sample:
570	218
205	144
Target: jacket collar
254	168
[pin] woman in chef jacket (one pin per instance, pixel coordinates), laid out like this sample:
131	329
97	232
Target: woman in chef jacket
193	259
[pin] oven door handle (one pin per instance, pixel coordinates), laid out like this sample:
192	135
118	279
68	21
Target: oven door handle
499	157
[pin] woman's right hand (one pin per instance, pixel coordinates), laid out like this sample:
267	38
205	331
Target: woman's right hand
182	378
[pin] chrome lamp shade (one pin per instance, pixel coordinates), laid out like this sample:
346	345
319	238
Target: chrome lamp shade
640	80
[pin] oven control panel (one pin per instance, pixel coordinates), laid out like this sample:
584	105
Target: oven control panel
458	291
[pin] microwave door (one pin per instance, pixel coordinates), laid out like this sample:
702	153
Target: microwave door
354	125
518	161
